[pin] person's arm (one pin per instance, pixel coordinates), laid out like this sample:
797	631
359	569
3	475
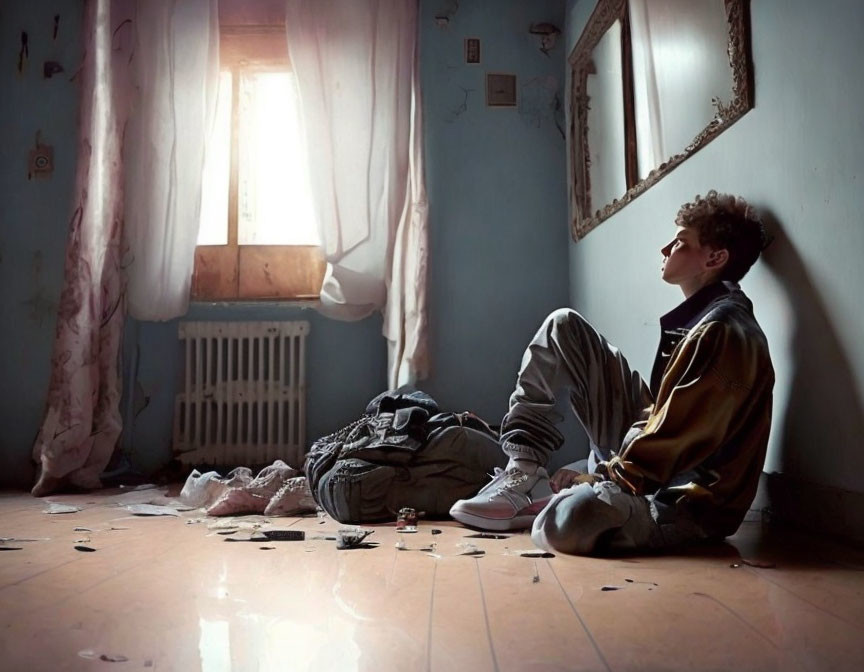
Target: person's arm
705	385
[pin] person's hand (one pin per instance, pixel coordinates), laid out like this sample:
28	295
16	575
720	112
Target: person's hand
565	478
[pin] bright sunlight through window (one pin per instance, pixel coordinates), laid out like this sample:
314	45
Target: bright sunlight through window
275	200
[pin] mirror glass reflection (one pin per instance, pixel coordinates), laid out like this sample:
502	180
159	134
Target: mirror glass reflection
606	142
680	65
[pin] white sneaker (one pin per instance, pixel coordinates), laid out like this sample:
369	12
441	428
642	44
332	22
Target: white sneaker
510	502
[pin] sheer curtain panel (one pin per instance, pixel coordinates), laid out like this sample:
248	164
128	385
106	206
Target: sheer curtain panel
356	68
175	71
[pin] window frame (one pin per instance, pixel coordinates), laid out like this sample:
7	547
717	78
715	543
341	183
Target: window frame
253	39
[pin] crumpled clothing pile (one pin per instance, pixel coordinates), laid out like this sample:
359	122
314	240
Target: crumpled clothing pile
277	490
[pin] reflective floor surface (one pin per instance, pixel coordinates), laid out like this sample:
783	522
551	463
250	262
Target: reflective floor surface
170	593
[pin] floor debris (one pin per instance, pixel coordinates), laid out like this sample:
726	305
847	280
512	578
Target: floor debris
285	535
486	535
151	510
113	658
536	578
351	537
84	549
401	546
531	553
435	531
610	587
82	529
10	548
470	549
90	654
57	507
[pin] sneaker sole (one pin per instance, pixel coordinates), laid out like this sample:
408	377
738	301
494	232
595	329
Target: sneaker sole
494	524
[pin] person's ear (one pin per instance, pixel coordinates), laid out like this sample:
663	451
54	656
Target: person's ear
718	258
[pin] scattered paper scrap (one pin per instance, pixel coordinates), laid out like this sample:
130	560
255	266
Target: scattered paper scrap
57	507
470	549
531	553
151	510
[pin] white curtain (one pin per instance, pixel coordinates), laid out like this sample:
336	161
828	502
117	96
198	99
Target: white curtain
356	67
176	76
82	417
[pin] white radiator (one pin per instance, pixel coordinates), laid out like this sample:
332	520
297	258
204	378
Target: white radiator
244	397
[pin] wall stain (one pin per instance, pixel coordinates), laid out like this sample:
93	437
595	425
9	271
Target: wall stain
40	305
460	109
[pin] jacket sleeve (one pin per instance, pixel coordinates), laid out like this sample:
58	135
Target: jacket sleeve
704	386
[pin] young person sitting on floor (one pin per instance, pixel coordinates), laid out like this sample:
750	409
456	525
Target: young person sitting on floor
672	462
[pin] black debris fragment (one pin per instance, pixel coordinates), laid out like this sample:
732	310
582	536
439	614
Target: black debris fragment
285	535
85	549
113	658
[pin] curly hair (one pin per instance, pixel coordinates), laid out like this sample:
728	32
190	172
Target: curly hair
726	222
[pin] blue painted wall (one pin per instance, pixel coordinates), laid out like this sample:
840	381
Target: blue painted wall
497	193
498	234
34	214
797	157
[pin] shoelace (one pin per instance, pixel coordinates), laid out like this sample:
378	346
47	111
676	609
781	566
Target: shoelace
510	481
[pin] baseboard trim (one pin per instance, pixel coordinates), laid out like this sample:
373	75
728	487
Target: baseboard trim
819	508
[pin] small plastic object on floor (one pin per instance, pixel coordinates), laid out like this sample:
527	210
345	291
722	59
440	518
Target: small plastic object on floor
406	520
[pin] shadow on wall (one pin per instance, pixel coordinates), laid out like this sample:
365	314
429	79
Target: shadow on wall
824	422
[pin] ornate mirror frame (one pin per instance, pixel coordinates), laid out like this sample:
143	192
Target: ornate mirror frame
585	215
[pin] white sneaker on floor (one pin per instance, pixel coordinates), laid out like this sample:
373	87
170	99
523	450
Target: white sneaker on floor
511	501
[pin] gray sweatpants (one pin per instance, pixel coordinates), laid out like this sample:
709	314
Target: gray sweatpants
568	354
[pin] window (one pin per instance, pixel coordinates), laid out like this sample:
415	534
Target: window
257	238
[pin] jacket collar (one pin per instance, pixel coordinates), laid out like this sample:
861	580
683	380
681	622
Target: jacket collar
690	311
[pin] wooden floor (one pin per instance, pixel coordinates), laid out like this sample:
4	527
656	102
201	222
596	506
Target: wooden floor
169	593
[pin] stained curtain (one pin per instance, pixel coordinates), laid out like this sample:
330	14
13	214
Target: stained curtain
82	420
356	67
149	77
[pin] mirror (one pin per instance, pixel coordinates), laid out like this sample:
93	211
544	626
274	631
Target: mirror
652	82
